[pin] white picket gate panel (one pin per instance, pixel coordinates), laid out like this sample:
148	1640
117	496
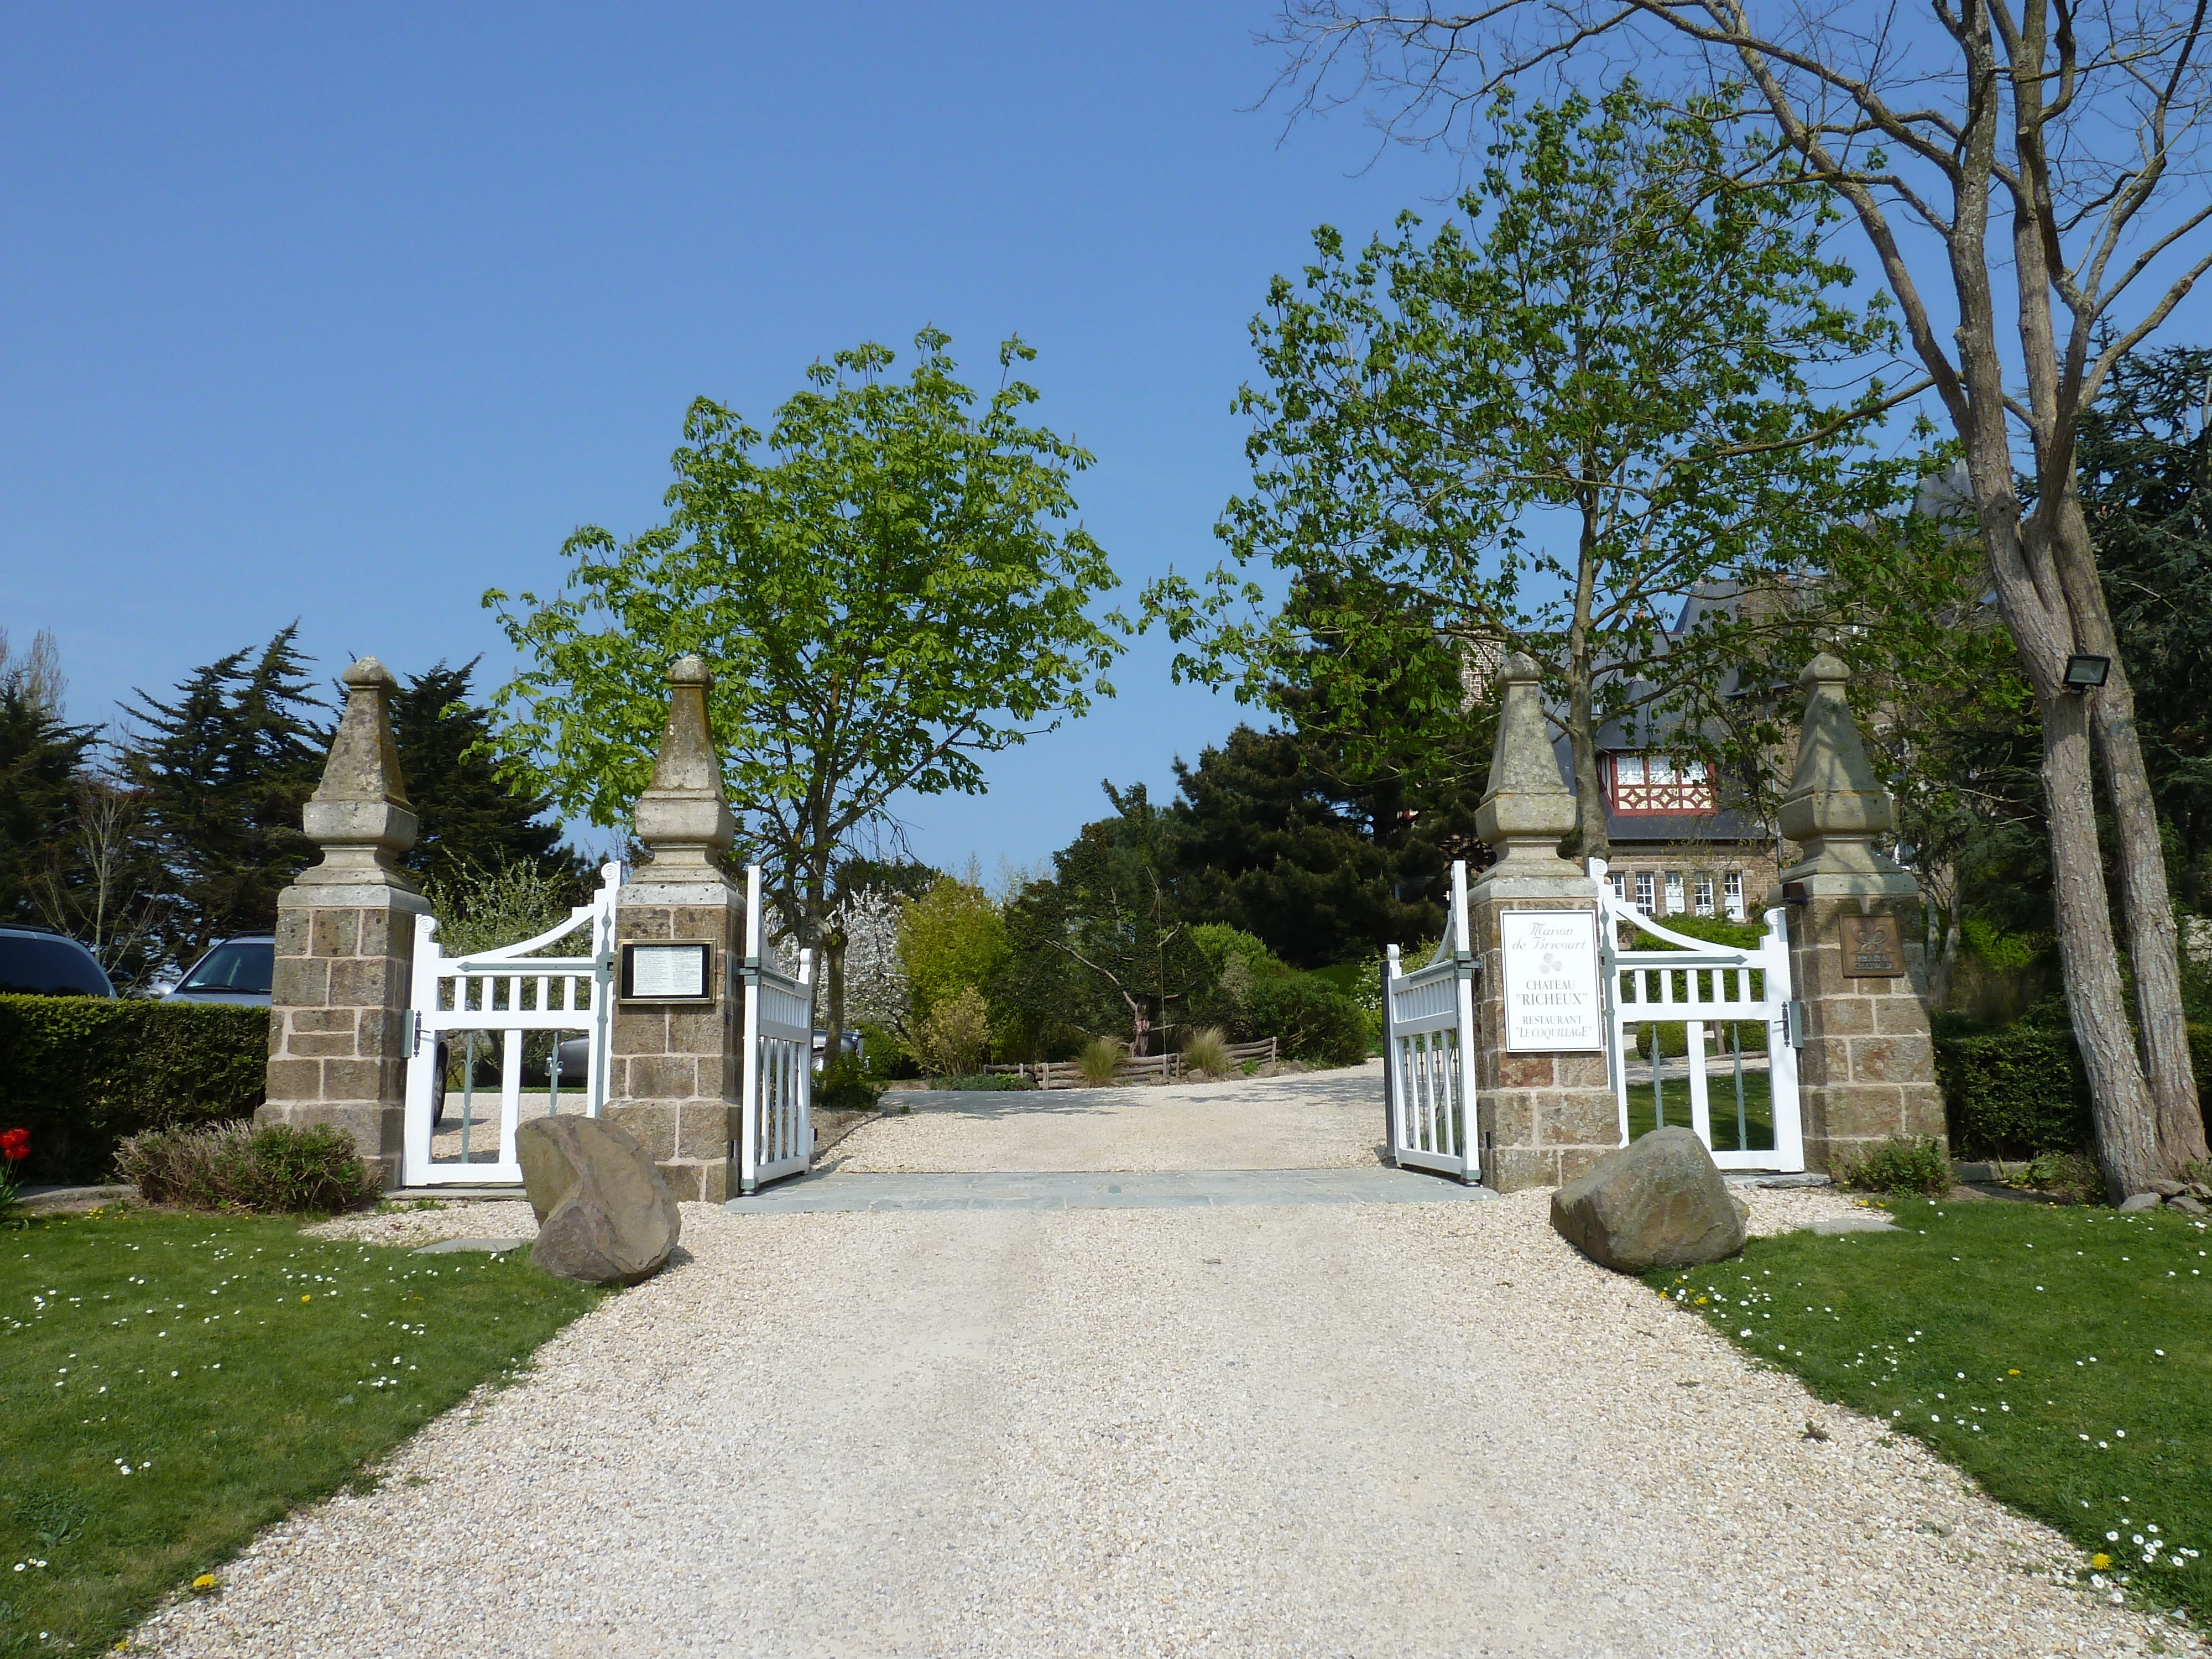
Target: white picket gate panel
776	1127
1701	985
501	995
1428	1051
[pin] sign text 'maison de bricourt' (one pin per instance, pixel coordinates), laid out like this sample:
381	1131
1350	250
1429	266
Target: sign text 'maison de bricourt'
1551	1001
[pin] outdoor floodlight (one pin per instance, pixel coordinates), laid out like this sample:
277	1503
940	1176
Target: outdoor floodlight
2086	673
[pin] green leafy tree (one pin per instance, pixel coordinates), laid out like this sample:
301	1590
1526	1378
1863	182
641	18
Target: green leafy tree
950	940
2029	177
469	817
887	589
1102	945
222	771
1548	428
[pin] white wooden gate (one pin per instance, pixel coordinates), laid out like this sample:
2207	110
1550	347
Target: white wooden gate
1428	1051
776	1127
490	1003
1735	1080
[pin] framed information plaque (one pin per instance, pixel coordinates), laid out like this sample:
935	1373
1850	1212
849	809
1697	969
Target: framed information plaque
1553	1004
673	970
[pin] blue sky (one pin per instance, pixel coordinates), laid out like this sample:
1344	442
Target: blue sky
348	315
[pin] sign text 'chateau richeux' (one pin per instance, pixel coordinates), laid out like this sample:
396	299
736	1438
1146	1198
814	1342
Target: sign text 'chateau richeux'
1551	1001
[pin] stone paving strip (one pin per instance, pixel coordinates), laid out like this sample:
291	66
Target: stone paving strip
818	1194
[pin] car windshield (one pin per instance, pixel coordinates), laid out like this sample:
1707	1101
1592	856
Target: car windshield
233	967
49	968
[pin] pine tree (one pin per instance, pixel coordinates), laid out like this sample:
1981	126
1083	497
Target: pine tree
469	819
224	770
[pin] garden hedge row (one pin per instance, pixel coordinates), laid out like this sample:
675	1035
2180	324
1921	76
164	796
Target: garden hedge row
81	1072
2022	1091
1314	1019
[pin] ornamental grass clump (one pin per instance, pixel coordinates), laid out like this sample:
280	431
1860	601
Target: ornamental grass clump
1100	1059
1903	1163
1207	1053
275	1169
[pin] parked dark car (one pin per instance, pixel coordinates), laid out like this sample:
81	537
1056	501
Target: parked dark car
237	971
36	963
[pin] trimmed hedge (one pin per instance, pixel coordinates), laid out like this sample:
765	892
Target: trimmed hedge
81	1073
2022	1091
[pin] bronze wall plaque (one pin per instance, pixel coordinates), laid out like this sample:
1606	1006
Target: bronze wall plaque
1874	947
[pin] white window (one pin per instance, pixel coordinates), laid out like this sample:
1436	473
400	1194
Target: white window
1620	880
1646	892
1675	892
1733	893
1704	895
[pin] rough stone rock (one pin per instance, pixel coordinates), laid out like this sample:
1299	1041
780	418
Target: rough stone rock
2136	1203
2198	1189
1742	1207
605	1215
2188	1205
1659	1202
2168	1188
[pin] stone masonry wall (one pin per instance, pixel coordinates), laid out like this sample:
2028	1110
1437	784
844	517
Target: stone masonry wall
675	1072
338	1008
1544	1119
1867	1069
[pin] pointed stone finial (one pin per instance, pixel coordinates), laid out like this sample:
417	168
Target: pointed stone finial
1527	808
359	814
684	816
1837	806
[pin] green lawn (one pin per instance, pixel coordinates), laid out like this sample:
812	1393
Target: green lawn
2062	1358
169	1384
1719	1101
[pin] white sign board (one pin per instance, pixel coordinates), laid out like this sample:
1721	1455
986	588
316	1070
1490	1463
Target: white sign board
1553	1004
665	973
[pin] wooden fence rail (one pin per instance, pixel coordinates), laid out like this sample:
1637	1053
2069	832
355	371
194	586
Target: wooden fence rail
1134	1068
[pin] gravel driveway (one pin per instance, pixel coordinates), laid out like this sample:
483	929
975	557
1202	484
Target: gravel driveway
1309	1120
1371	1429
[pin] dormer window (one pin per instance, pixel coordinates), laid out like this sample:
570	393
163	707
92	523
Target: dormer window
1660	783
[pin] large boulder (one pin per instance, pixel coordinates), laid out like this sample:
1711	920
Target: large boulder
1659	1202
605	1215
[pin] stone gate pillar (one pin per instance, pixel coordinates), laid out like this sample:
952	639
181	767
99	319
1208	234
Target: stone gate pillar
674	1061
1544	1116
1868	1068
345	942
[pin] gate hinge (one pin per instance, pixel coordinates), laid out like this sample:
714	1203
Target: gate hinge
410	1032
1793	1024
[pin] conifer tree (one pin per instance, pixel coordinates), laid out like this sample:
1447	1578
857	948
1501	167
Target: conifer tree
42	758
224	769
470	819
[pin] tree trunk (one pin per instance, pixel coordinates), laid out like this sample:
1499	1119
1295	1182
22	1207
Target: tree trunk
2128	1151
1594	840
2139	852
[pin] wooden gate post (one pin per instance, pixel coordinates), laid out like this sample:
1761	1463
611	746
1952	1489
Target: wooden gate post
675	1060
1544	1117
1868	1068
345	943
